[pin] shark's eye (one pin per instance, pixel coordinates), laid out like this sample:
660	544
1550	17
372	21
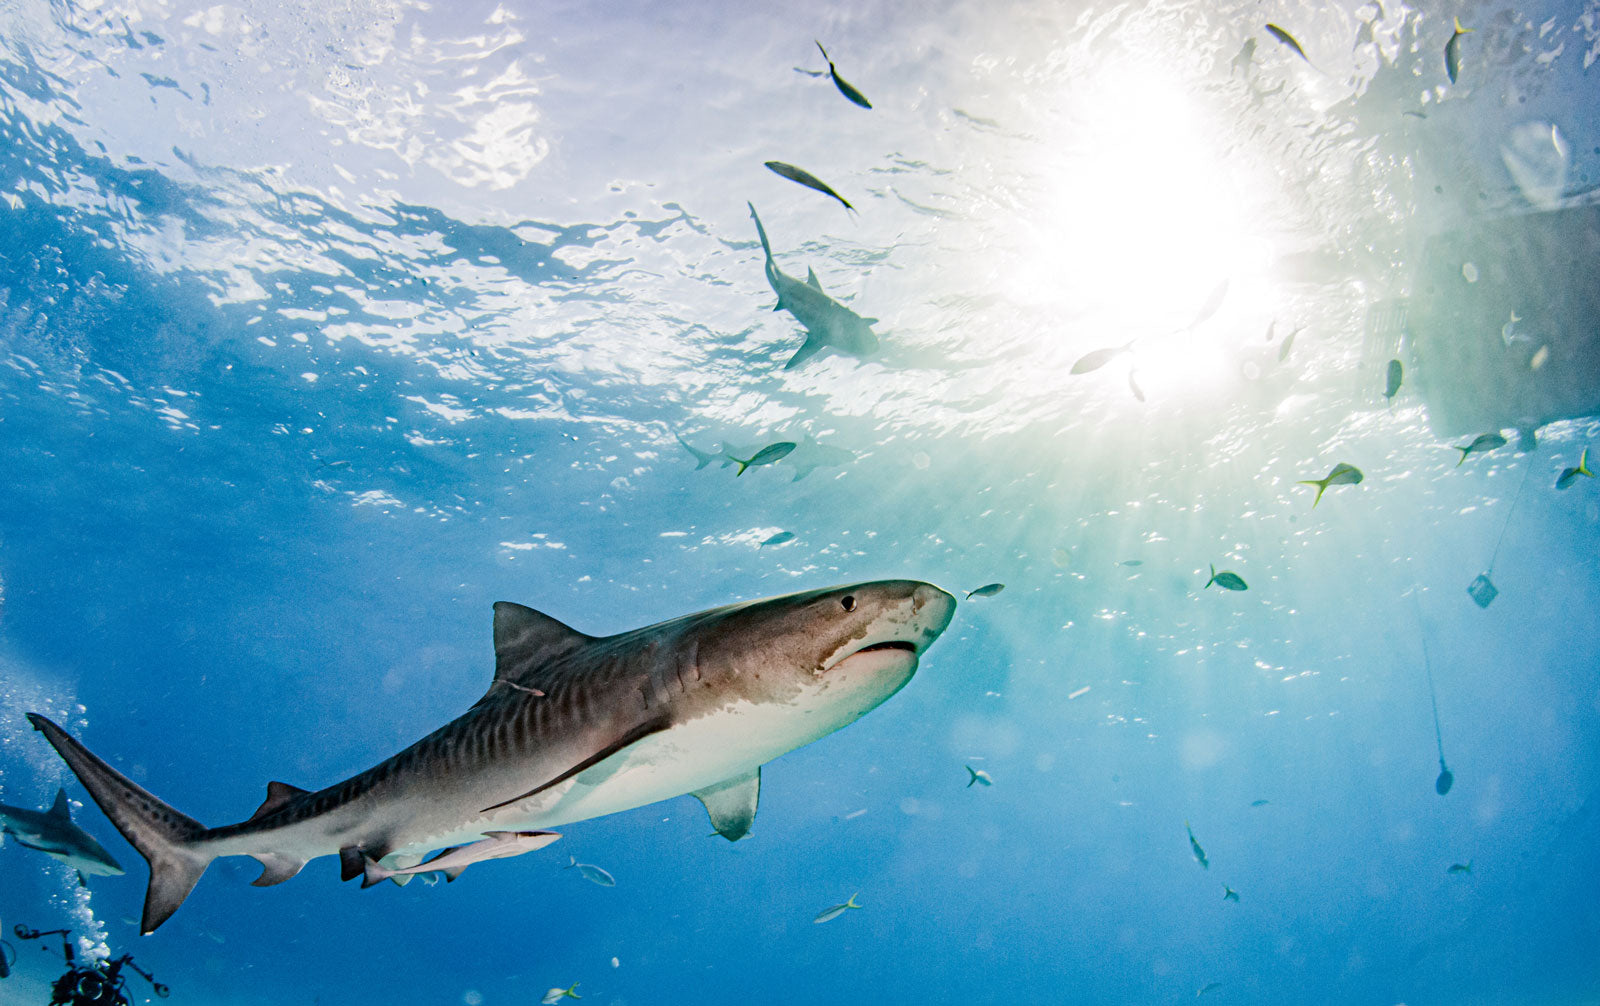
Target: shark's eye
849	602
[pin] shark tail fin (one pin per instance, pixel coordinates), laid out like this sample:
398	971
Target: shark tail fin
166	839
760	230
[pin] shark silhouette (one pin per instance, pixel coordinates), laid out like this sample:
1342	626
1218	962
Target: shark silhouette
828	323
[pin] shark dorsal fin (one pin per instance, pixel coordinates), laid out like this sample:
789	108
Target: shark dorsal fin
811	279
60	808
278	794
525	640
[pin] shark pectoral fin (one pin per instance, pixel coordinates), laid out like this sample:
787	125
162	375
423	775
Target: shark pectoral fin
811	279
633	736
275	868
60	808
731	804
525	640
278	794
812	347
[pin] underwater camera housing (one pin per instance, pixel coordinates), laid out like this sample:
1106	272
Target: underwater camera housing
1502	328
99	983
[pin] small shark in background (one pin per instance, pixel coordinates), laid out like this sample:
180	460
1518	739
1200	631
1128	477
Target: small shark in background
53	833
828	323
572	727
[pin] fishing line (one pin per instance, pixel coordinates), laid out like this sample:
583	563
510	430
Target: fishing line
1446	777
1527	469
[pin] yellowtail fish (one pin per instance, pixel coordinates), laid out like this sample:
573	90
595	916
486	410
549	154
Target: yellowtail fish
1483	442
978	775
1342	475
829	914
1226	580
590	872
1194	846
1570	475
1461	867
1099	358
1229	894
1288	40
1452	51
807	179
1391	386
987	590
556	995
844	86
767	455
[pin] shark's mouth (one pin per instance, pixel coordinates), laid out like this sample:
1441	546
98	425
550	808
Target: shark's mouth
892	644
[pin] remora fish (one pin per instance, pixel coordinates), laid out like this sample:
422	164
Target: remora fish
53	833
693	705
450	862
828	323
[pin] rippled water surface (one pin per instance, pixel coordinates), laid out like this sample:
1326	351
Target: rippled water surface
322	328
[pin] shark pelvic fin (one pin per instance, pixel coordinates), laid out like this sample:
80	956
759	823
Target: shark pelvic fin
60	808
633	736
812	347
278	794
169	841
275	868
525	640
731	804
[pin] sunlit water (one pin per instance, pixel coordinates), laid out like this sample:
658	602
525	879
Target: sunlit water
322	329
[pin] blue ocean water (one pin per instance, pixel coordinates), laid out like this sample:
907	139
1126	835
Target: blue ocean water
325	327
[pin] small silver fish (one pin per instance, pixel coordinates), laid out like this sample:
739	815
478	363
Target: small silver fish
1483	442
1194	846
778	539
1288	343
591	873
829	914
1259	803
765	456
1099	358
807	179
987	590
1461	867
1133	384
556	995
978	775
1452	51
1288	40
1229	894
1226	580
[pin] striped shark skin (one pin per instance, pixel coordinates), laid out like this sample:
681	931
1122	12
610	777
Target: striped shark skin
573	727
828	323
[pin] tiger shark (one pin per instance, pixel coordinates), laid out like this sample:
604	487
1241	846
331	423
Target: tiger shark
572	727
828	323
54	833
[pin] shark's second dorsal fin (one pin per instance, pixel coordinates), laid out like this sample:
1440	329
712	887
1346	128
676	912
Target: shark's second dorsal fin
525	640
60	808
811	279
278	794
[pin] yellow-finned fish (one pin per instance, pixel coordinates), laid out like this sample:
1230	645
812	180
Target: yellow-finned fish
1570	475
1342	475
1452	51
